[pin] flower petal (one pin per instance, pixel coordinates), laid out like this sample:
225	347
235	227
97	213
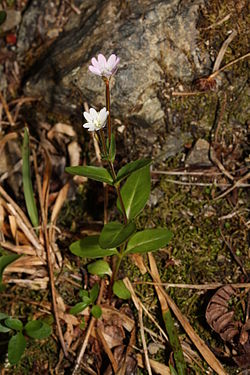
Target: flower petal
114	67
111	60
89	126
102	61
94	62
93	114
103	115
95	70
87	116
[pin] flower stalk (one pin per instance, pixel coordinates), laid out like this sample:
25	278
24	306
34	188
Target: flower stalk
113	174
108	108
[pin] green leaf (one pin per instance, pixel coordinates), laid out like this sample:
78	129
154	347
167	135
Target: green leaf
115	233
96	311
5	260
120	290
15	324
135	192
3	16
172	370
80	306
4	329
3	316
93	294
16	347
100	268
131	167
175	344
112	148
95	173
148	240
89	248
83	293
27	181
82	324
37	329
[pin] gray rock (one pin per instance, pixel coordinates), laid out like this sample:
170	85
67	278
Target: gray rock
199	155
154	39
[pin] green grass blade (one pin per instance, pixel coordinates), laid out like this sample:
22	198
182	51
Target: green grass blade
27	182
174	342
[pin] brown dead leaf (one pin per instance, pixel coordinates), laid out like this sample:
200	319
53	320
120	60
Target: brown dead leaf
110	313
61	128
74	151
159	368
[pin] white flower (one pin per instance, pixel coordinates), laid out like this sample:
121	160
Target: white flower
95	120
104	68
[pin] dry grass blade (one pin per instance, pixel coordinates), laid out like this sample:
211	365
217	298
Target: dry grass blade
5	139
43	198
88	333
168	321
237	184
158	367
34	284
223	49
55	212
139	304
26	249
198	342
145	350
59	203
216	72
28	233
194	286
107	350
24	218
6	108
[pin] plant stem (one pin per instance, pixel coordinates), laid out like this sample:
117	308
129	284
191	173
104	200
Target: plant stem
117	266
113	174
108	108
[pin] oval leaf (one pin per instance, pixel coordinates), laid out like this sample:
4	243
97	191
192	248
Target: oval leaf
114	234
79	307
5	260
16	347
15	324
95	173
96	311
3	316
37	329
100	268
135	192
120	290
89	248
4	329
131	167
83	293
148	240
93	294
27	181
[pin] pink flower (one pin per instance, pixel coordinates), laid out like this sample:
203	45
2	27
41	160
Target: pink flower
95	120
104	68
